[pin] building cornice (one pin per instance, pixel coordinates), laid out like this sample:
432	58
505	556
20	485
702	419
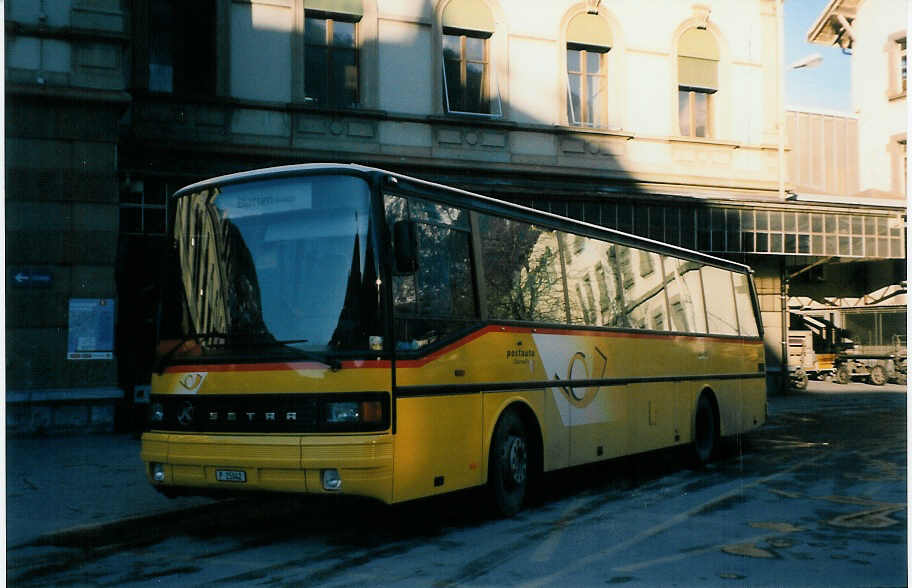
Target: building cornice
61	93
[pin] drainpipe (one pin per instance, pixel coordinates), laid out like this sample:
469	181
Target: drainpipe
784	295
780	98
780	107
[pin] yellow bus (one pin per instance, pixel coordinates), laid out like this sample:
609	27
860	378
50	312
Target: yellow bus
343	329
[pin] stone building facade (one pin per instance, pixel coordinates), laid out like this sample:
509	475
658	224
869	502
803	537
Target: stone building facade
667	123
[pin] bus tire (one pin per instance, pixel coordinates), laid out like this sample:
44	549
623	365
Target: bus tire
706	430
509	464
878	375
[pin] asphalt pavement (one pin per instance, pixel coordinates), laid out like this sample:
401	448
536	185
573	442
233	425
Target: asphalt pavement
95	484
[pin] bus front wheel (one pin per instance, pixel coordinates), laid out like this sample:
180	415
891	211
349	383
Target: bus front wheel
706	431
508	466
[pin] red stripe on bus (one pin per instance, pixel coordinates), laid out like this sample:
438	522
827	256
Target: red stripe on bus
273	366
422	361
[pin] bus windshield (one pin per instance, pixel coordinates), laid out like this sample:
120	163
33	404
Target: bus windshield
282	263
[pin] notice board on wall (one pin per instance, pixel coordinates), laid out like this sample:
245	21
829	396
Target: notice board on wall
91	329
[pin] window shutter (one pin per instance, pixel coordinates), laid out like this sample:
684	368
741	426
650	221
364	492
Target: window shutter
347	7
698	73
589	30
468	15
698	60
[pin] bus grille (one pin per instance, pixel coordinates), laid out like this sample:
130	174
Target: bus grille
257	413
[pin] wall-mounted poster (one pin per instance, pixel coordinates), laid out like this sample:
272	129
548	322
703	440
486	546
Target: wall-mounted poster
91	334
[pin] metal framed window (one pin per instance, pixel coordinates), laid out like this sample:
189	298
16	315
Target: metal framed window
468	75
901	63
331	60
586	84
142	207
695	112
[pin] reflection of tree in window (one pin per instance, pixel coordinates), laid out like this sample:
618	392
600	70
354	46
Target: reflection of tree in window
439	298
604	294
522	271
616	265
444	285
623	258
587	313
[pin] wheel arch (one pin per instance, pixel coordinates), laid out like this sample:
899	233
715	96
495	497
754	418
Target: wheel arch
533	427
711	395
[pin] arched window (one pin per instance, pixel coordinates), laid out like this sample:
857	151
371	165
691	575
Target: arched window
331	50
588	42
468	70
698	81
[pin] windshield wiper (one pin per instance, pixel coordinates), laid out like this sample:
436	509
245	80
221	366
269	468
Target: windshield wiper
160	368
251	341
333	363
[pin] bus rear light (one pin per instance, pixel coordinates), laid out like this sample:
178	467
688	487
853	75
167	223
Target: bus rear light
331	480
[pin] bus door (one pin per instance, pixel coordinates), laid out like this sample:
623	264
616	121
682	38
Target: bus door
438	411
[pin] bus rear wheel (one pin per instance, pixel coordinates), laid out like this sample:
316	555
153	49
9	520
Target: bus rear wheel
508	465
706	431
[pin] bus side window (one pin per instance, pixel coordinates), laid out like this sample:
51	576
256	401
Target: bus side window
641	298
720	307
522	271
437	296
746	317
685	295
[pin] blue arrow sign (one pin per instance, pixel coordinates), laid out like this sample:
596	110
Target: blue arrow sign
29	278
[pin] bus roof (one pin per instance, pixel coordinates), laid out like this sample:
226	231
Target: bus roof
476	201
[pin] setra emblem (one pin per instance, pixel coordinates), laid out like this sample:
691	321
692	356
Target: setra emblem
185	416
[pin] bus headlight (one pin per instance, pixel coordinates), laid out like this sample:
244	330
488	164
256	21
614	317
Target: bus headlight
366	412
343	412
156	412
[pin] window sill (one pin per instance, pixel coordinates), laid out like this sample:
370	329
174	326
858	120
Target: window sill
893	95
593	131
233	102
704	141
471	119
338	110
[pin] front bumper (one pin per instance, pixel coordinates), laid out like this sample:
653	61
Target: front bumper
283	463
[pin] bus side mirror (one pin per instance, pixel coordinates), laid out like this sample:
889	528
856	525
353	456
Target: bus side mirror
405	244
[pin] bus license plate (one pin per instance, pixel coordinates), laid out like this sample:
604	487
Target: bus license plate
230	475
